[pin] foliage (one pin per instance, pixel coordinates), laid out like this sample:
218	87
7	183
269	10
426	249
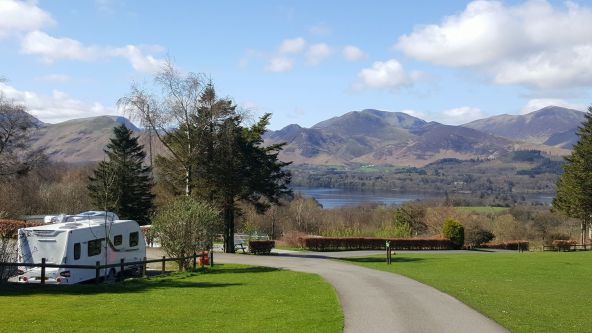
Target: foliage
476	235
412	216
185	226
514	289
17	127
260	300
563	245
518	245
360	243
261	246
123	184
574	188
454	231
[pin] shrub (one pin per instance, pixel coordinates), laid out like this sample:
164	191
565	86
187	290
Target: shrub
509	245
476	235
563	244
185	226
261	246
454	231
9	228
555	236
362	243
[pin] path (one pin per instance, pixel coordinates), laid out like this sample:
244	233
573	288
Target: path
377	301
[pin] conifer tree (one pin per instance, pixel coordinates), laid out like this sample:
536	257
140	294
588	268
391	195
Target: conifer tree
574	188
122	183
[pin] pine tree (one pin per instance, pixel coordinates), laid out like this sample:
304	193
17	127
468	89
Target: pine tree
574	188
122	183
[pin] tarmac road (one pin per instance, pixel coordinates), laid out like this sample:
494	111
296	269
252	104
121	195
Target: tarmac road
376	301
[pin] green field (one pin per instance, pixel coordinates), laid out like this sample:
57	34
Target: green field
484	210
528	292
230	298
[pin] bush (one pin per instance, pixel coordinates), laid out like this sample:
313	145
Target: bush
9	228
555	236
185	226
563	245
261	246
362	243
454	231
509	245
476	235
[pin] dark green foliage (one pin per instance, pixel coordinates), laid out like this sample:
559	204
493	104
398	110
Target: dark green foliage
574	188
363	243
454	231
122	183
476	235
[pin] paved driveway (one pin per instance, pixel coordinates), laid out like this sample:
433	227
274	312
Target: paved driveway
376	301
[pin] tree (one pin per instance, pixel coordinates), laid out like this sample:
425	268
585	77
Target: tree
574	187
122	183
454	231
17	157
185	226
413	216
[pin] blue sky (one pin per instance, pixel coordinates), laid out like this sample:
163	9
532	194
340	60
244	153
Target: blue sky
303	61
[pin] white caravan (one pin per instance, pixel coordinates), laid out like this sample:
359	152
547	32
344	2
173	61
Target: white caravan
79	242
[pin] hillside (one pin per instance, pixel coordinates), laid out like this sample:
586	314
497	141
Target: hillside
552	125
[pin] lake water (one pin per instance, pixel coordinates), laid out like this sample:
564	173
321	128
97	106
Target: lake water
337	197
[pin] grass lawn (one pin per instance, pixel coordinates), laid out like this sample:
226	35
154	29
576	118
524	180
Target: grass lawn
484	210
525	292
230	298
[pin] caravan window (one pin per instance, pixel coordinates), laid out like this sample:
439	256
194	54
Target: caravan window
76	251
94	247
117	240
133	239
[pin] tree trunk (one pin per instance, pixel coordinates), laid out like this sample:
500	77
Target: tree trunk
188	181
229	228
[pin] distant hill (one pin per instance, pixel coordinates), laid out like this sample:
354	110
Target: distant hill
552	125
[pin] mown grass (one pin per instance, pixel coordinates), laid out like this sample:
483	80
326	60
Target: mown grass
484	210
527	292
229	298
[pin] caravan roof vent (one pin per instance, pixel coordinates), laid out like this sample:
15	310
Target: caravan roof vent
70	225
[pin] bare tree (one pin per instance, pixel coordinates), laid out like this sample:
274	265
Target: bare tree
17	128
169	114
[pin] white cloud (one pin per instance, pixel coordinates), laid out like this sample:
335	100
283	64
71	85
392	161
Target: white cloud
292	46
279	64
317	53
461	115
320	29
53	78
416	114
51	49
21	16
539	103
56	107
388	75
532	44
352	53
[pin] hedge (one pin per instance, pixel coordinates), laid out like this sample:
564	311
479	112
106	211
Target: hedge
261	246
509	245
563	245
363	243
9	228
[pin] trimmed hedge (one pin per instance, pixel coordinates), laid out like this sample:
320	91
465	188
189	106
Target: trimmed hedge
509	245
563	245
9	228
261	246
363	243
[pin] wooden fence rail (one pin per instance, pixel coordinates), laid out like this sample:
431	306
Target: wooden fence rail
122	264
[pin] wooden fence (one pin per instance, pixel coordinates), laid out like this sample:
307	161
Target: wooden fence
122	264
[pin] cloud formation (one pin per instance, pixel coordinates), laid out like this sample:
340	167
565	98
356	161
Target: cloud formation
461	115
317	53
539	103
353	53
292	46
279	65
387	75
20	17
532	44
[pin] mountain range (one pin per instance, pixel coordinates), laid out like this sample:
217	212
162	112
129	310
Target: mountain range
359	137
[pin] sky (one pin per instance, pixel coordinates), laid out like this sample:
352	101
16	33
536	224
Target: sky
304	61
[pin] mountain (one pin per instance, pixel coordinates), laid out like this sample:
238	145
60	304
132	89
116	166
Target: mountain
380	137
79	140
552	125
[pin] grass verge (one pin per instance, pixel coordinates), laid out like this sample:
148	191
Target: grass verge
229	298
527	292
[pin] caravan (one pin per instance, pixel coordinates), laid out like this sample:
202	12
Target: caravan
83	239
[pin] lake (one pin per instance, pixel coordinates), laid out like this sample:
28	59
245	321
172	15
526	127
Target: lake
338	197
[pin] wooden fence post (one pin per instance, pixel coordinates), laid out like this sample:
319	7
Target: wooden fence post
144	267
163	264
42	270
121	266
194	261
202	264
97	272
211	253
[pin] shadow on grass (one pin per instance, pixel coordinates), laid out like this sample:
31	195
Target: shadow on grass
381	259
239	270
180	281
